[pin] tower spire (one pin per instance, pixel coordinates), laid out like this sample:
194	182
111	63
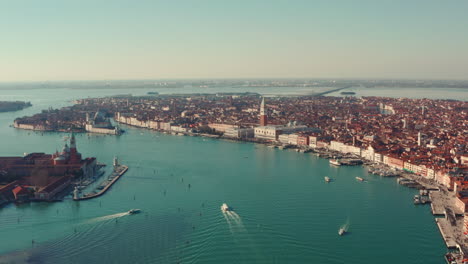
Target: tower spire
262	106
72	141
263	116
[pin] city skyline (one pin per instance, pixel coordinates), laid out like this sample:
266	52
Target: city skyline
56	40
251	131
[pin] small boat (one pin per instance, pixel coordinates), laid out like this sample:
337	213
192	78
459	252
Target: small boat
335	162
327	179
359	179
225	208
424	199
134	211
342	231
450	258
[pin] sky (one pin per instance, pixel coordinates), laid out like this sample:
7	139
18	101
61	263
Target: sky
51	40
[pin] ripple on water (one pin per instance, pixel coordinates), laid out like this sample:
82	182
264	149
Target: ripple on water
147	239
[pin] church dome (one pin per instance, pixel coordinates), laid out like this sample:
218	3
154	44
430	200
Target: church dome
66	149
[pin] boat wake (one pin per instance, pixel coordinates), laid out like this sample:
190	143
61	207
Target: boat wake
345	226
234	221
240	233
228	220
107	217
237	220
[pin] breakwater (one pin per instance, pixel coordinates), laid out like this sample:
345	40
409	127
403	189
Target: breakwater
115	176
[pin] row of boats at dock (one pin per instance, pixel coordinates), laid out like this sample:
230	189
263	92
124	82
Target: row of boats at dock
117	172
336	158
347	162
383	172
408	183
422	198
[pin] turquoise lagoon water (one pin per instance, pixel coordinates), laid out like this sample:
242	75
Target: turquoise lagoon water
284	212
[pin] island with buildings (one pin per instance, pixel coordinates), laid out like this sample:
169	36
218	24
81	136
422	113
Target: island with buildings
423	136
422	140
69	119
44	177
8	106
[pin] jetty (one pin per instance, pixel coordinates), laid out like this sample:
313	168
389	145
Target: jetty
118	171
448	232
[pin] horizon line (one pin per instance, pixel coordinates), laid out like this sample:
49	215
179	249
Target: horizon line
237	78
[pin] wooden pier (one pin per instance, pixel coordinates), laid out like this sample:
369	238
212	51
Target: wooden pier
119	171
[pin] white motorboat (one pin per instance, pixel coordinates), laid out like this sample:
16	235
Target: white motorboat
134	211
342	231
225	208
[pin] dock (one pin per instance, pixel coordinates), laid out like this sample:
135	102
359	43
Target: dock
443	203
115	176
448	232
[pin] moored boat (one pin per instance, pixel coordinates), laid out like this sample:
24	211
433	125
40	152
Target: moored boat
450	258
335	162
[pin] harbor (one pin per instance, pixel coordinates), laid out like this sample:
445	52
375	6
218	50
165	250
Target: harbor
160	195
166	199
442	201
104	186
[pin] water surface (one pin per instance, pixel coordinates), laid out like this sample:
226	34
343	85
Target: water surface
284	212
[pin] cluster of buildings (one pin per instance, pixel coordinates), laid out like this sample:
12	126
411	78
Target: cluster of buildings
40	176
426	137
422	136
101	124
69	119
64	120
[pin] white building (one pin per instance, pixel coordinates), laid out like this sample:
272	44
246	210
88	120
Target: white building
235	132
312	141
283	138
292	139
268	132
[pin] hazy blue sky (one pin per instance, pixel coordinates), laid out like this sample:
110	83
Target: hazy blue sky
97	39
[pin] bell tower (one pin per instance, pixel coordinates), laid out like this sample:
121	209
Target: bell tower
263	116
73	144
